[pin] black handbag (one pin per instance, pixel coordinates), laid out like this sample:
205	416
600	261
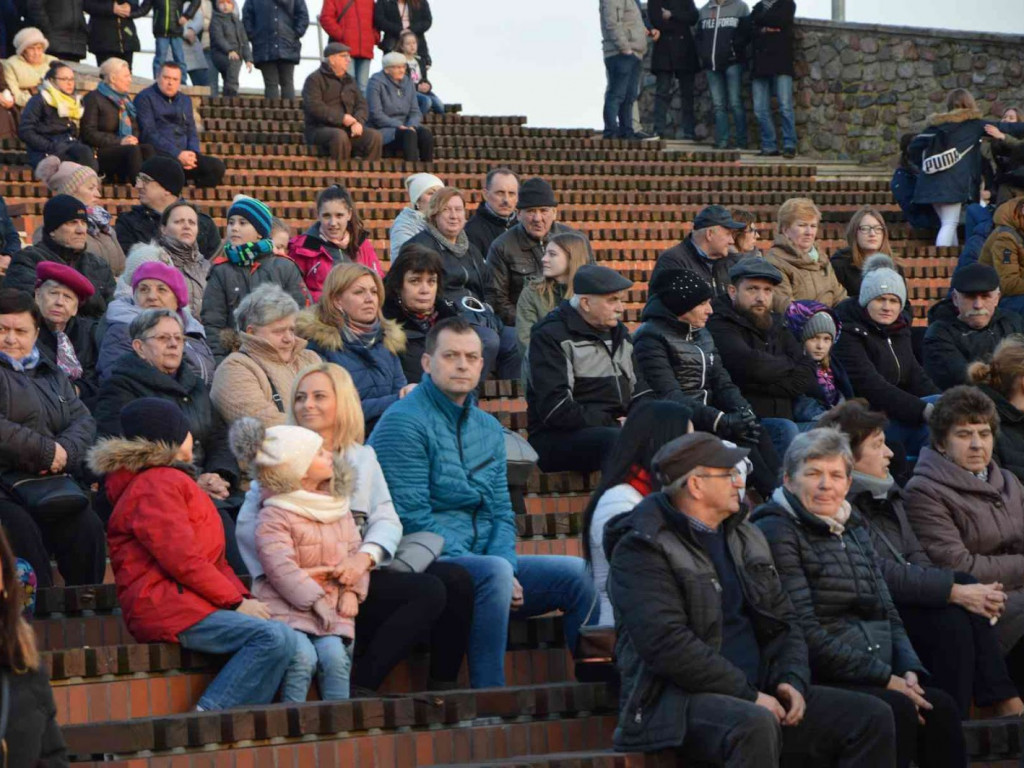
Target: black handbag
48	496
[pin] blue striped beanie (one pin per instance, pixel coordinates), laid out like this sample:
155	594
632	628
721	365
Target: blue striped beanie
257	213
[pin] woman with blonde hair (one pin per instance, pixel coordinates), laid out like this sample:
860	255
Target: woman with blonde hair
402	608
32	736
807	273
947	154
866	235
563	255
1002	379
346	327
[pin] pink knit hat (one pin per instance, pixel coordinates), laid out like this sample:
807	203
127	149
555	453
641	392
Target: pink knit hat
171	277
63	177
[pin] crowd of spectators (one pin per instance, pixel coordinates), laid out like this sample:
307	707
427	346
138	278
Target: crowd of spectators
295	415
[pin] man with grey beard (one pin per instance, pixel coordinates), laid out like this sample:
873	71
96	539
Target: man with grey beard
967	326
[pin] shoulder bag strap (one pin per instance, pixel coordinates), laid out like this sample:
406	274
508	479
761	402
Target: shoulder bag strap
345	10
274	394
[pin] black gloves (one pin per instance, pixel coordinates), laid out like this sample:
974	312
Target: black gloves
741	427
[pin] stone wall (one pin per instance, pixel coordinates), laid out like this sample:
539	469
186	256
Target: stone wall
859	86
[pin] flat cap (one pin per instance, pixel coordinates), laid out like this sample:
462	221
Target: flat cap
594	280
333	49
975	278
686	453
754	267
717	215
67	276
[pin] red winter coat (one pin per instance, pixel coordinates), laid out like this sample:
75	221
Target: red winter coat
355	29
166	541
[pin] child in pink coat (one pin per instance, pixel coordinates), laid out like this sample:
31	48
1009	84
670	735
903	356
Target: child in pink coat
305	535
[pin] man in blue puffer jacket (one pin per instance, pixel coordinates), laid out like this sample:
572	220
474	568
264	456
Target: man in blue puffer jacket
444	462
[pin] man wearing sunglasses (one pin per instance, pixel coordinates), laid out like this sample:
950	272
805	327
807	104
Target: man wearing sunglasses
713	661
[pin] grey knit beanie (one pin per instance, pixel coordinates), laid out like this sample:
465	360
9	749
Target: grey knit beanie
820	322
881	278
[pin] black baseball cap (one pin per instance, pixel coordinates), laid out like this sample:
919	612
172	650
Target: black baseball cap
716	215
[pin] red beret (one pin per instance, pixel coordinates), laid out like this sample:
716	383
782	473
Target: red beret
65	275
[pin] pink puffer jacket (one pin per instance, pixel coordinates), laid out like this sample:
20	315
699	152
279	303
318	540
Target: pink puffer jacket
298	536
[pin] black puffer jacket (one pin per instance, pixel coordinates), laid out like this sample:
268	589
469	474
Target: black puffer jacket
416	331
43	130
950	344
682	364
39	408
466	275
1009	453
912	578
133	378
675	51
141	224
21	274
484	227
166	14
686	256
63	24
771	26
769	367
668	621
881	364
514	258
573	379
836	588
109	33
388	19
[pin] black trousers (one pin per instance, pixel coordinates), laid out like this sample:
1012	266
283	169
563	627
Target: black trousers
77	543
341	146
122	163
77	152
229	70
414	146
840	728
403	609
102	56
278	79
961	651
663	102
583	450
765	474
939	743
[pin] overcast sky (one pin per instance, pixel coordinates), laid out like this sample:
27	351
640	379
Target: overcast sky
542	58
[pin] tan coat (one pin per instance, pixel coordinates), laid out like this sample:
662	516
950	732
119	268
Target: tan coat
974	526
245	382
802	278
1004	250
22	77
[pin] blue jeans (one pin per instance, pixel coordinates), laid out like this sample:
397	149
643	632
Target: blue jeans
501	351
783	87
427	101
912	436
329	656
782	432
623	71
360	70
726	86
211	68
177	48
549	582
261	650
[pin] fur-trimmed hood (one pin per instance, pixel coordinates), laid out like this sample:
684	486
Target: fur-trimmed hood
330	339
955	116
120	460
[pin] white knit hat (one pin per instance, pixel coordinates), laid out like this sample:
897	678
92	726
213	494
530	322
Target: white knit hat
29	36
290	448
419	183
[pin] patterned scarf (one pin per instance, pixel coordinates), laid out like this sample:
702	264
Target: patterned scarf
181	253
459	247
27	363
67	360
98	220
66	106
360	333
125	109
247	254
827	382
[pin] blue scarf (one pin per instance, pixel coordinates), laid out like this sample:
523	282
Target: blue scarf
125	109
27	363
248	253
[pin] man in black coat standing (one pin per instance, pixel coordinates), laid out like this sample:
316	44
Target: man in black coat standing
763	358
674	58
967	326
721	674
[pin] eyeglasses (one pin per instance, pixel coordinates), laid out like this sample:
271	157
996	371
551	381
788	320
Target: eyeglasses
165	338
65	79
734	475
864	229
